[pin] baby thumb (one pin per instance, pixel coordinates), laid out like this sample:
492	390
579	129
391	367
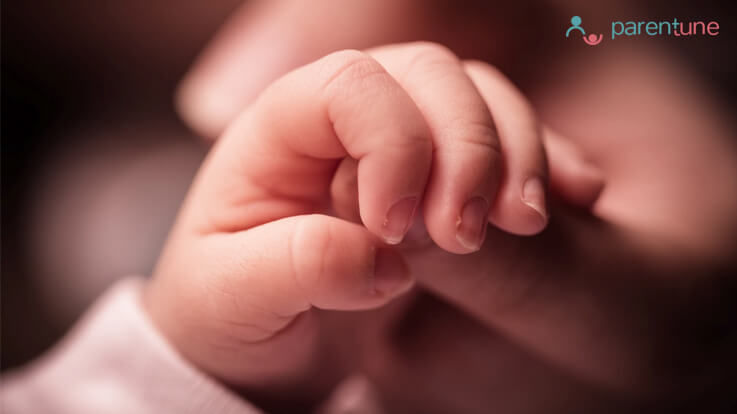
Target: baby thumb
242	313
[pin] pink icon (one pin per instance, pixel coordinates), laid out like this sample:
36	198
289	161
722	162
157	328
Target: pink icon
592	40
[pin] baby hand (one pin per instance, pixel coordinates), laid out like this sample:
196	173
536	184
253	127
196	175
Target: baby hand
251	255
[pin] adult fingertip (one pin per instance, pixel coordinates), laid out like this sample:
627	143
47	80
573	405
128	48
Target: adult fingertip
391	274
577	180
204	111
592	183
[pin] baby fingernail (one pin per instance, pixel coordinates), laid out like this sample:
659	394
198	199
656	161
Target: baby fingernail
533	194
398	219
471	225
390	273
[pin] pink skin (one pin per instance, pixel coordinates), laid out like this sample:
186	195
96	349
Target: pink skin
643	280
253	221
568	313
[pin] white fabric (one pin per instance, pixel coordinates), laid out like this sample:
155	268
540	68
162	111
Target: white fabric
114	361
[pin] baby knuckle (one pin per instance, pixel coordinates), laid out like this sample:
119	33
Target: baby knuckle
309	245
479	65
477	132
347	67
431	52
429	58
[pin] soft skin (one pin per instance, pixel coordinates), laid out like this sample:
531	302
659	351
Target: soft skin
628	307
250	254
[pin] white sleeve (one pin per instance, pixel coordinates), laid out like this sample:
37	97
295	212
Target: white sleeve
115	361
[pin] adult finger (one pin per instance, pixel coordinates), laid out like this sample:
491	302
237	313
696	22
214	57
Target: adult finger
572	178
538	292
344	191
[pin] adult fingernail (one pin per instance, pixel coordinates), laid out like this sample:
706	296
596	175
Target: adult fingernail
398	219
533	194
390	273
417	235
471	225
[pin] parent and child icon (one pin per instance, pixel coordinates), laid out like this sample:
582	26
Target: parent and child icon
591	39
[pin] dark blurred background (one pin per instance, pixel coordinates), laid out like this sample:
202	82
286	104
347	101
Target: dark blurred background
94	81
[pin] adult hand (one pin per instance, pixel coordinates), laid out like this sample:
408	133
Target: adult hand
631	308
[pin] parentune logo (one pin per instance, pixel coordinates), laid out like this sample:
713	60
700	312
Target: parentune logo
590	39
645	28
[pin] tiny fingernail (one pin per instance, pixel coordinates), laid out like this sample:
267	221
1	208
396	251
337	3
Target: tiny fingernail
471	225
533	194
398	219
390	273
